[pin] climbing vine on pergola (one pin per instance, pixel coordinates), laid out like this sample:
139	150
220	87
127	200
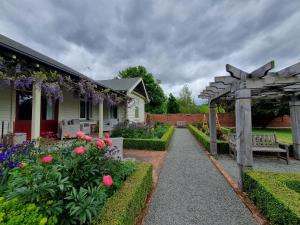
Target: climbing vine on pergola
241	87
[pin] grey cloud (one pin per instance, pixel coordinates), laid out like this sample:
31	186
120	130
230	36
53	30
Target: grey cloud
178	41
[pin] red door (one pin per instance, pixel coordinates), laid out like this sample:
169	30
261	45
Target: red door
49	116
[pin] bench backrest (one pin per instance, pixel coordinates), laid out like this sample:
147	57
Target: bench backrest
258	140
264	140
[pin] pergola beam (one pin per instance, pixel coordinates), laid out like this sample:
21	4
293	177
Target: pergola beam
236	72
263	70
290	71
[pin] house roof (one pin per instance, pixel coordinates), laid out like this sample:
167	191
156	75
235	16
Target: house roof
17	47
126	85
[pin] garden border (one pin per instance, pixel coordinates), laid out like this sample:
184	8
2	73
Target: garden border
125	205
222	146
150	144
269	193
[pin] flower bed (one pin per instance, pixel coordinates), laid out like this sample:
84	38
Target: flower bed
158	144
222	146
277	195
67	185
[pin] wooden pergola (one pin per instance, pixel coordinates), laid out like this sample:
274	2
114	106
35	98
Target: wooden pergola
241	87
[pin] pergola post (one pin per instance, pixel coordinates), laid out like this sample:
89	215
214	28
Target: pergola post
100	119
212	128
243	132
295	119
36	112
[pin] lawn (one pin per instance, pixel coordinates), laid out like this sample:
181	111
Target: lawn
284	135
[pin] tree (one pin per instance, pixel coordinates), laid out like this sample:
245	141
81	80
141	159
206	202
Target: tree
156	94
172	105
263	110
186	102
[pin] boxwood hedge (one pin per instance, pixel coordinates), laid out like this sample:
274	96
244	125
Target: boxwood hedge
222	146
150	144
277	195
126	204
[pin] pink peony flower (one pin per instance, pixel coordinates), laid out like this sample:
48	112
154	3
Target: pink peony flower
107	135
108	141
107	181
21	165
80	134
68	135
47	159
87	138
100	143
79	150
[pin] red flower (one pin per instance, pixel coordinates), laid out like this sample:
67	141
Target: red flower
21	165
106	135
80	134
107	181
108	141
87	138
47	159
79	150
100	143
68	135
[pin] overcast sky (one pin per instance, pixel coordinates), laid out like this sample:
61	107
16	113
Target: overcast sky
179	42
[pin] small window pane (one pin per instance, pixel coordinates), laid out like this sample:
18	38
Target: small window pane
113	112
25	106
136	112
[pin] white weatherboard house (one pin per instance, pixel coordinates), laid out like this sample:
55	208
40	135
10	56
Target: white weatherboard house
135	110
28	112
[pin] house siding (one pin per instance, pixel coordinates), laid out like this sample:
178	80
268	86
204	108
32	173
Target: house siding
5	104
69	108
137	102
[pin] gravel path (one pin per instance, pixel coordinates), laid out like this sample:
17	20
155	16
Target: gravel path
191	191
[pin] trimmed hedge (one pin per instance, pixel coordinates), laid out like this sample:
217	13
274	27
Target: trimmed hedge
275	194
150	144
222	146
126	204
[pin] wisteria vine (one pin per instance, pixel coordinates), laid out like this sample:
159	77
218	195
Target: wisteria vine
52	83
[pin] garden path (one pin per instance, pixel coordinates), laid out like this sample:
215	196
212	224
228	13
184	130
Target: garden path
191	191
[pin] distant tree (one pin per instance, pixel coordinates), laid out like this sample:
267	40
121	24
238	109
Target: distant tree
172	105
156	94
264	110
185	100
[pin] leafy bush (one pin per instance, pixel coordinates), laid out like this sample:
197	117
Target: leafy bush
13	212
67	182
123	207
140	132
150	144
10	157
275	194
222	146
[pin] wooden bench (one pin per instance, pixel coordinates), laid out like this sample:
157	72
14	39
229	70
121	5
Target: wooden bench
261	143
181	123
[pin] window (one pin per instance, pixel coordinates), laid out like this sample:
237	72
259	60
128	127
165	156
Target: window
136	112
86	109
24	106
114	112
48	109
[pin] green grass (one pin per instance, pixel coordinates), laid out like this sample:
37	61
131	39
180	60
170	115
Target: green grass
284	135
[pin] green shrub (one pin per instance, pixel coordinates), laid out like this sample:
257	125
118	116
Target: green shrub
140	132
222	146
123	207
72	182
276	195
13	212
150	144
